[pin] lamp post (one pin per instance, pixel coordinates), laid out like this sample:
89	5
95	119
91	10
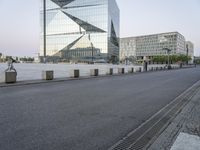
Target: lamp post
168	52
92	46
44	28
92	53
187	47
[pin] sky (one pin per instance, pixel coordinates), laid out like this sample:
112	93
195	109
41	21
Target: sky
19	22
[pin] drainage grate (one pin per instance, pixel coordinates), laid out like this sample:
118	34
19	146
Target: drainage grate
140	137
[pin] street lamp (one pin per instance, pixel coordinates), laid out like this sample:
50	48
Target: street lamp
92	46
187	52
168	52
92	52
44	28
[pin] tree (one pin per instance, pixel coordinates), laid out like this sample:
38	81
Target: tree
173	58
184	58
160	59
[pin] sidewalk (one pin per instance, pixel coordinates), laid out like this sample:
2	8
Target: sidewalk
184	131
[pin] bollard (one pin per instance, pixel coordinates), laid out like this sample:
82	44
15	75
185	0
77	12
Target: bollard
131	70
145	66
121	70
110	71
10	77
181	65
75	73
140	69
94	72
47	75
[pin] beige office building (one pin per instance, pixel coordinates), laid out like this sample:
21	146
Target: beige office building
144	47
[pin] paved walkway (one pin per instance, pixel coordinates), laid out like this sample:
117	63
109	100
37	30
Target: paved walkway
184	131
91	114
186	142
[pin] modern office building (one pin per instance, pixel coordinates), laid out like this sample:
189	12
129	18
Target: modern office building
144	47
190	50
82	30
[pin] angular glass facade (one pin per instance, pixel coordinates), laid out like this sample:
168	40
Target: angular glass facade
82	30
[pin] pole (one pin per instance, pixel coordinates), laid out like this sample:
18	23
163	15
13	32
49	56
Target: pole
92	54
168	59
44	8
187	53
169	66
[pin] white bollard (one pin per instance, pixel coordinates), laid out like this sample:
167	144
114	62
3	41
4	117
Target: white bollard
75	73
10	77
131	70
94	72
47	75
121	70
110	71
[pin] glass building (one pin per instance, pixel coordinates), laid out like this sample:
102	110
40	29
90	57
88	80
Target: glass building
80	30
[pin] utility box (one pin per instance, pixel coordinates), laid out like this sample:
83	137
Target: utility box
94	72
47	75
75	73
10	77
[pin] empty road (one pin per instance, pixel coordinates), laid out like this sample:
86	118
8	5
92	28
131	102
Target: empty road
91	114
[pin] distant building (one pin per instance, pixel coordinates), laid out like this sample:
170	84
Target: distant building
147	46
190	50
80	29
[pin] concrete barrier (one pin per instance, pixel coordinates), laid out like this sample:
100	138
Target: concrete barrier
48	75
110	71
94	72
75	73
121	70
10	77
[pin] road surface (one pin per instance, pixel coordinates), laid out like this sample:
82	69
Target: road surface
91	114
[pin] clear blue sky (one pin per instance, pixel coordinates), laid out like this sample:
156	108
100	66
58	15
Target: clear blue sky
19	25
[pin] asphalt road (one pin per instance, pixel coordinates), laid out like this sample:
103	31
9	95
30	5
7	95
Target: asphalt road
91	114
